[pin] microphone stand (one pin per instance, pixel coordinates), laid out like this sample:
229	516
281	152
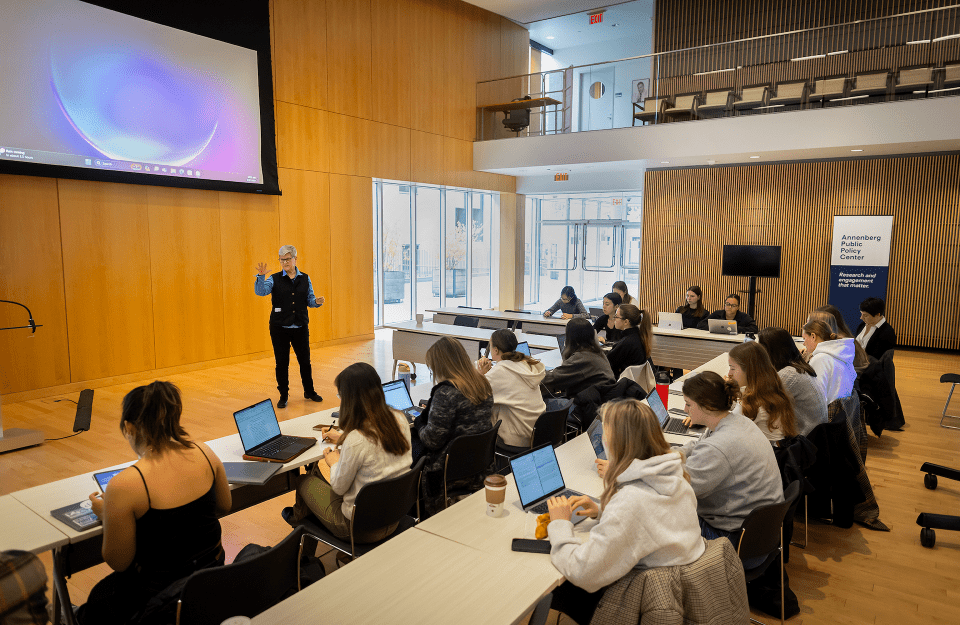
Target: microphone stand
18	438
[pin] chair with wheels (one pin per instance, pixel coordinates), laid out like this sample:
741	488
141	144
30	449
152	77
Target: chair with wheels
761	536
549	428
952	379
377	505
929	521
467	456
243	588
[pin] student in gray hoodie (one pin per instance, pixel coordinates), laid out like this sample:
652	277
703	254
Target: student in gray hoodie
584	364
517	402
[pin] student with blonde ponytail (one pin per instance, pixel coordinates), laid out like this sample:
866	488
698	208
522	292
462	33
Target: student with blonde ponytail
647	513
515	380
831	357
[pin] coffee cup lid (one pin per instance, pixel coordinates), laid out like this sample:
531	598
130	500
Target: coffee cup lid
495	480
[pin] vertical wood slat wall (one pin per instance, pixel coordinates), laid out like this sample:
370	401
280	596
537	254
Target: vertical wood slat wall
690	214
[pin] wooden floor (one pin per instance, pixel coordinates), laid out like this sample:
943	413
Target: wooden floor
843	576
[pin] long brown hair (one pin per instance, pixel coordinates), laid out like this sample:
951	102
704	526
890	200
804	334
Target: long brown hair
363	408
700	310
506	342
783	350
639	319
711	392
580	338
154	410
764	389
634	433
449	362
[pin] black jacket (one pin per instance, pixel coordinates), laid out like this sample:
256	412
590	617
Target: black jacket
689	320
883	339
745	322
600	324
627	352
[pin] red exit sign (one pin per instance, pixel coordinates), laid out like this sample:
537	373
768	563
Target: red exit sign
596	18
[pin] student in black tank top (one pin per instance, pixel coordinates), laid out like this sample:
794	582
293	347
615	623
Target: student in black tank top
160	515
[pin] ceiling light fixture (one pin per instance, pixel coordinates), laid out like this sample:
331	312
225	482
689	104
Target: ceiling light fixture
945	37
807	58
551	37
754	157
856	150
918	41
664	162
837	52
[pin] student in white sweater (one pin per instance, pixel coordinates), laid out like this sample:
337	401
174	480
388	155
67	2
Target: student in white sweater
832	358
517	402
373	445
763	399
647	513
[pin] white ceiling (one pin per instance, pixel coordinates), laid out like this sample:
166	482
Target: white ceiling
527	11
629	20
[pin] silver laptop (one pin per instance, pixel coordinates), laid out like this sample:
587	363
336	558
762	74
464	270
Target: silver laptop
722	326
398	397
537	475
673	425
671	321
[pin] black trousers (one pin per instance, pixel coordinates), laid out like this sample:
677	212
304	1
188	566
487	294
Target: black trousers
299	338
576	602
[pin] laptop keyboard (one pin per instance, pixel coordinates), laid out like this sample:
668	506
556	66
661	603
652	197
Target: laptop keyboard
541	508
274	447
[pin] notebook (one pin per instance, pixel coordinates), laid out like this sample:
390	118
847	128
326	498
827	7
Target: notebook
538	478
398	397
669	320
261	438
256	473
523	348
722	326
673	425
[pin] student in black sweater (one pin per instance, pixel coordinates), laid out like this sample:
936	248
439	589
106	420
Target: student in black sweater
605	322
693	311
636	338
731	312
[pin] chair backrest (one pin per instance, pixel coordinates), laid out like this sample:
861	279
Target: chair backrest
244	588
642	375
754	94
716	98
874	80
791	89
915	76
470	454
830	86
951	72
383	503
760	532
651	105
493	324
550	427
686	102
466	321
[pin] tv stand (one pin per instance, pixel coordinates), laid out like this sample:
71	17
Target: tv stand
751	296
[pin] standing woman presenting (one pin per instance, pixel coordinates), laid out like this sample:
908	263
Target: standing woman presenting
569	305
620	288
693	311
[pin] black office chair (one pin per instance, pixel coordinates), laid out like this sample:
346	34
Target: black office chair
517	325
377	505
244	588
542	611
550	427
928	520
468	455
761	535
517	120
465	321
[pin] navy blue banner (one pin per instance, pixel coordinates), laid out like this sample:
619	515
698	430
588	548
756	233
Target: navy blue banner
859	263
851	285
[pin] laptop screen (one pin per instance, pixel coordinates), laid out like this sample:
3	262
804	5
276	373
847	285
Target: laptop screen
257	424
524	348
537	474
653	399
396	394
561	340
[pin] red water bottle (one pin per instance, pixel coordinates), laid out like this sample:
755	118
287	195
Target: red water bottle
663	387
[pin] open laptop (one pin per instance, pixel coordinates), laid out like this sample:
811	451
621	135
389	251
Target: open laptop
561	341
398	397
722	326
596	312
673	425
524	348
669	320
538	478
261	438
595	432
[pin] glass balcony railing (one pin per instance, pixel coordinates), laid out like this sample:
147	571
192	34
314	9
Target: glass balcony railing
905	56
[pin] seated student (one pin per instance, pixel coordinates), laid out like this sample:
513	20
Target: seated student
731	312
763	399
605	322
461	402
693	311
831	357
636	338
732	469
373	445
569	305
833	318
515	380
874	334
620	288
584	363
798	378
160	514
647	513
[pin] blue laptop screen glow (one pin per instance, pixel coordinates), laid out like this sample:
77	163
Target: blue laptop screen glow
524	348
653	399
257	424
397	396
537	474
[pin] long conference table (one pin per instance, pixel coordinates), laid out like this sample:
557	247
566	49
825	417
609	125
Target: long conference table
676	349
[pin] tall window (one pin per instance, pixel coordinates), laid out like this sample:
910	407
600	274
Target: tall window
436	247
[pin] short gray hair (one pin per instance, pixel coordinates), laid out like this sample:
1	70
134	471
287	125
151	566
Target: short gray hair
288	249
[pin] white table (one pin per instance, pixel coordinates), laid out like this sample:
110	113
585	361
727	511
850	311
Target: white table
24	529
501	319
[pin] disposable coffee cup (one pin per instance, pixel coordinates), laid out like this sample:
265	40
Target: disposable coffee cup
237	620
496	489
420	319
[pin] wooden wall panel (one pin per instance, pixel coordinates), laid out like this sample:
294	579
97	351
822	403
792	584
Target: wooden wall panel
248	235
351	254
350	58
305	224
426	157
105	236
690	214
187	275
31	272
426	72
300	52
303	135
393	20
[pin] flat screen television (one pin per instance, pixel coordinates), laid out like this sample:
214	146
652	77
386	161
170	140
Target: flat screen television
760	261
177	93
